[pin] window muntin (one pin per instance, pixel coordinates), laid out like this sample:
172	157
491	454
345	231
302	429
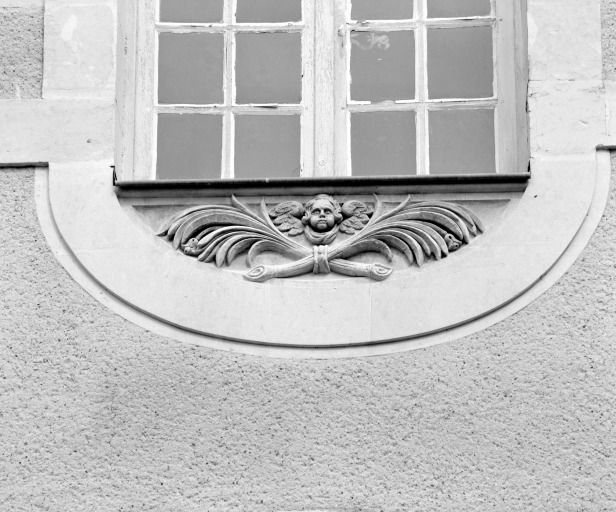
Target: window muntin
344	81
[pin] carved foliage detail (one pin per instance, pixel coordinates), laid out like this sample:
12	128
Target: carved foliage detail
219	234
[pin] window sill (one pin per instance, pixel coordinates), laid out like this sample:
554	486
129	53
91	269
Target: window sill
325	185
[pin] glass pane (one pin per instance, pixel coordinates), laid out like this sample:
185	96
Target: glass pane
458	8
383	143
268	11
189	146
267	146
269	68
190	68
191	11
460	63
382	9
383	66
462	142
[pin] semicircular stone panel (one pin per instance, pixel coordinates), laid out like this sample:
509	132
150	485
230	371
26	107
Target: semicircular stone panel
318	271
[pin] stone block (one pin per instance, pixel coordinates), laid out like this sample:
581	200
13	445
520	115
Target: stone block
79	50
56	131
566	116
562	40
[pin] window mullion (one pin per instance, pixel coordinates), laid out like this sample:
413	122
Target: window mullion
325	41
342	114
421	62
228	139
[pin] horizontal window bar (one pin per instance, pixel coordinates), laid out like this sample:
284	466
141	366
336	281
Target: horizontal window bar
189	28
415	105
238	109
392	25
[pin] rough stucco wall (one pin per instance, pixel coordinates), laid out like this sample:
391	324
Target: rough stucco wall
21	51
608	25
98	414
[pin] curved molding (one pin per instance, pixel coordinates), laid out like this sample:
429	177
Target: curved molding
143	279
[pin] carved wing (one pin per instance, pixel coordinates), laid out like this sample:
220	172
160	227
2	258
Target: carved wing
356	215
419	230
287	217
220	233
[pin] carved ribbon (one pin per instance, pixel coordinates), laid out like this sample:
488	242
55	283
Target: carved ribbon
321	264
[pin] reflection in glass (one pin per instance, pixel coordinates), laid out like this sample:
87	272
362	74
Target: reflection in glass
191	11
382	66
383	144
460	63
190	68
268	11
458	8
269	68
462	142
267	146
382	9
189	146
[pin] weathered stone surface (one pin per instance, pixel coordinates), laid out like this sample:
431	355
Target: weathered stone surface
563	43
21	50
56	130
98	414
79	58
566	116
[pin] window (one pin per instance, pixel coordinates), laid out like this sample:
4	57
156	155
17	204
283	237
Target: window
309	88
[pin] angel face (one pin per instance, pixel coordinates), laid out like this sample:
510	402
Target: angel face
322	216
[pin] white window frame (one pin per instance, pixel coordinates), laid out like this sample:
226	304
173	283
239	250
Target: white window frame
326	28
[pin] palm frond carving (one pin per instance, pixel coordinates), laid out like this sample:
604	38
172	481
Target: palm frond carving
219	234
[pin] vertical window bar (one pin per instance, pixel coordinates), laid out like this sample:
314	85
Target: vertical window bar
498	150
228	144
326	39
347	165
154	113
308	108
421	63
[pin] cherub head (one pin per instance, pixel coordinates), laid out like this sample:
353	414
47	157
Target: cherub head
322	213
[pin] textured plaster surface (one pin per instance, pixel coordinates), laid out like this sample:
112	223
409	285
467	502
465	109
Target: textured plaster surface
98	414
21	50
608	32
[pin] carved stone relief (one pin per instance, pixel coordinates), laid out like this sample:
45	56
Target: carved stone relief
331	234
